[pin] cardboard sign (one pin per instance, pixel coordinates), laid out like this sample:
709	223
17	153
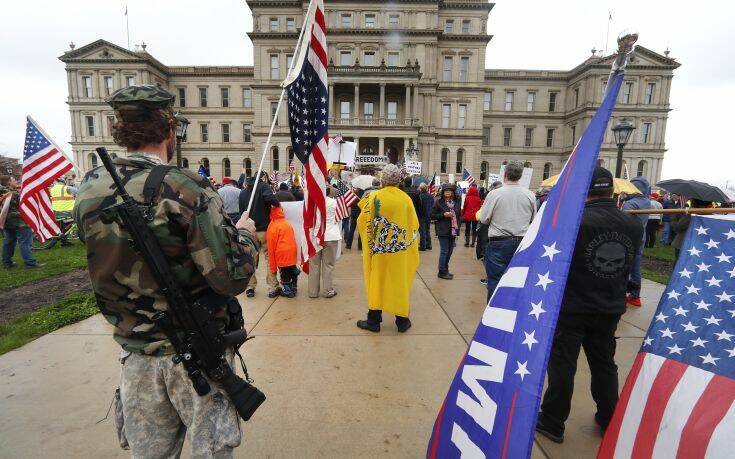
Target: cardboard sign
342	153
492	178
371	160
413	167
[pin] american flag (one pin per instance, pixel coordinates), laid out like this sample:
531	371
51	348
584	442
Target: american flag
43	163
466	176
678	398
432	185
273	177
291	167
308	117
345	199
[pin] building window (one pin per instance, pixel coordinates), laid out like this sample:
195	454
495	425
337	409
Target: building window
392	110
108	86
130	80
458	165
549	138
487	102
248	164
247	133
462	116
464	67
87	81
446	113
225	94
483	170
486	135
185	163
449	26
641	168
202	97
604	89
650	89
110	123
274	24
346	21
392	59
393	20
92	160
344	110
275	160
574	135
182	97
205	164
529	137
447	68
508	101
226	169
646	133
547	171
530	101
89	120
627	93
576	97
368	59
289	60
225	133
552	101
204	132
274	111
507	135
466	26
290	153
345	58
368	110
275	71
369	21
290	25
444	159
247	98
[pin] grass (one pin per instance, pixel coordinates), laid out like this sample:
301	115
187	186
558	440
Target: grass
659	254
654	276
662	252
72	308
58	260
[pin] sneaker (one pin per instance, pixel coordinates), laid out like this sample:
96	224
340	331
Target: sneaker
446	276
483	281
250	292
365	325
37	265
548	433
275	292
330	294
466	244
633	302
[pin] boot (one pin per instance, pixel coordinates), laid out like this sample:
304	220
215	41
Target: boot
374	317
287	290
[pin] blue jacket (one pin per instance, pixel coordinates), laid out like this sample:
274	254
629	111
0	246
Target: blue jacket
639	201
427	203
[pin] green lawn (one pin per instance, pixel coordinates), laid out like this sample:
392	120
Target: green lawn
662	252
58	260
72	308
661	260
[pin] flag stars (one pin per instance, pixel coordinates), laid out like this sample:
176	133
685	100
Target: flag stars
673	295
690	327
543	280
685	273
699	342
667	333
711	244
648	341
724	297
712	320
731	272
730	234
693	290
694	251
723	335
702	305
722	258
709	359
522	369
530	339
680	311
536	310
675	349
702	267
661	317
713	282
550	251
701	230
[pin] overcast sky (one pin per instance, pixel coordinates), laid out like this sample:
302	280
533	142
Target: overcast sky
527	34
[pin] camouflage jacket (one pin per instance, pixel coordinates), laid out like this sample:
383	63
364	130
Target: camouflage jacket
205	251
14	220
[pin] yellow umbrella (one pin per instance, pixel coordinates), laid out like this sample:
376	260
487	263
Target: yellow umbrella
620	185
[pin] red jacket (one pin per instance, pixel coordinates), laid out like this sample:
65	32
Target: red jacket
280	240
472	204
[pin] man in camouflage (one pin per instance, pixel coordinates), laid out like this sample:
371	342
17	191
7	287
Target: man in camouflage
156	405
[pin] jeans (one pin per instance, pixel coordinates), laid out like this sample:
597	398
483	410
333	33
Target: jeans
596	334
425	233
24	237
470	227
352	227
497	257
666	234
446	245
345	226
634	283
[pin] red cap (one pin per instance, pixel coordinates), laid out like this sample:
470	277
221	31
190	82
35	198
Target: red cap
226	180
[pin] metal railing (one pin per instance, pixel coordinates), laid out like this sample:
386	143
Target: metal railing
408	122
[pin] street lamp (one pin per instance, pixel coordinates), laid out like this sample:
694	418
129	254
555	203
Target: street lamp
621	133
183	123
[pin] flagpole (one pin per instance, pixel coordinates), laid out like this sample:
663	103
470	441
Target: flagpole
626	40
278	107
127	24
50	139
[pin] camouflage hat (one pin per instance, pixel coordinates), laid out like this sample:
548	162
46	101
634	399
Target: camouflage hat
141	97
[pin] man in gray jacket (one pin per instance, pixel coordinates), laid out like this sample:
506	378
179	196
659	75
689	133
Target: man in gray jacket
642	202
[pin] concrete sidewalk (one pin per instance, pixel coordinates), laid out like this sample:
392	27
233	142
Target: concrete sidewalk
333	390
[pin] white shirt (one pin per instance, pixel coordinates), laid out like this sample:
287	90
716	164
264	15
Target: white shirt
508	210
333	232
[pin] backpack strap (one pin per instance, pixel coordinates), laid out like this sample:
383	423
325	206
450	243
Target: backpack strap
153	182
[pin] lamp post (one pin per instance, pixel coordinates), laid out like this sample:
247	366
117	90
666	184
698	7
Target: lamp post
621	133
183	124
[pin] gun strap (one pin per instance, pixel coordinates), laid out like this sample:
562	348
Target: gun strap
153	182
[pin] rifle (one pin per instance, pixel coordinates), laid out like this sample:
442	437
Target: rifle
189	324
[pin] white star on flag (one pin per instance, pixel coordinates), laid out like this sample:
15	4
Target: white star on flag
703	305
711	244
661	317
725	297
701	230
690	327
674	295
536	310
703	267
648	341
550	251
694	252
712	320
694	290
699	342
680	311
685	273
732	313
731	352
713	282
522	370
675	349
530	339
666	332
722	258
731	272
709	359
724	335
543	280
730	234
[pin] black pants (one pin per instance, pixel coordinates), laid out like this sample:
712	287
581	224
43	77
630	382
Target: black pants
596	334
651	230
470	228
375	317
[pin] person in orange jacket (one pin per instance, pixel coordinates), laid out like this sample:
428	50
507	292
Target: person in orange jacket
281	243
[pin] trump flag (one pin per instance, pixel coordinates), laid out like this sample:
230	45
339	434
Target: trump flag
492	404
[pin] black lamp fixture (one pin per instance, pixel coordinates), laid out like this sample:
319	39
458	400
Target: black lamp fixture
181	127
621	134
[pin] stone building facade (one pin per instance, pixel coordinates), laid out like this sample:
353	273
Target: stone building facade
404	76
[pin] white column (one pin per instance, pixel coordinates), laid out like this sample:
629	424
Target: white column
416	113
381	145
356	112
407	114
331	101
382	104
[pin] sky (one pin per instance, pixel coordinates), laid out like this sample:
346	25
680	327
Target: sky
527	35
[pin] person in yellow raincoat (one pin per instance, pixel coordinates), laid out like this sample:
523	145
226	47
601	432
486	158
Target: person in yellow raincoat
388	227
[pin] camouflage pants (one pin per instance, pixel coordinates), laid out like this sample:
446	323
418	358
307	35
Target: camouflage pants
271	278
160	409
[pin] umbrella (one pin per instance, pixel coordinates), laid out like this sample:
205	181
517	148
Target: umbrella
693	189
363	182
620	185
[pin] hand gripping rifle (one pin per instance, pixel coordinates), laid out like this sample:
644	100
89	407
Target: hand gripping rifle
190	325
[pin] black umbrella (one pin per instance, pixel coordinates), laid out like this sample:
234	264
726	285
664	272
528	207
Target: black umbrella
692	189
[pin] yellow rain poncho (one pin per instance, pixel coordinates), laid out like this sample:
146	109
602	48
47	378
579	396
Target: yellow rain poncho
389	230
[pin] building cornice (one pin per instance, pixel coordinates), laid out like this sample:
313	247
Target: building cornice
244	71
466	5
460	37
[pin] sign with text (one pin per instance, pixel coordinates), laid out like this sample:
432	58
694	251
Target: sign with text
413	167
371	160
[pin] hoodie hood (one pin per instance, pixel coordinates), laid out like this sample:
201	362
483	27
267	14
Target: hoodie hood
277	213
642	184
472	191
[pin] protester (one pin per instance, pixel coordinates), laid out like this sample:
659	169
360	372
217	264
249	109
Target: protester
321	264
389	228
472	204
281	244
594	300
508	211
354	213
446	215
15	229
680	225
427	204
654	221
298	192
230	195
283	195
634	202
413	193
260	213
671	201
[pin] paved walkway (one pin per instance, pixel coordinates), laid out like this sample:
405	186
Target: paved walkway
333	390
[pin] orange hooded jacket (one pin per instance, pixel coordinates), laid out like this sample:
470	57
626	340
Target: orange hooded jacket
280	240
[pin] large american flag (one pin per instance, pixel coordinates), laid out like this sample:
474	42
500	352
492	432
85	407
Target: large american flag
308	116
345	199
43	163
678	398
466	176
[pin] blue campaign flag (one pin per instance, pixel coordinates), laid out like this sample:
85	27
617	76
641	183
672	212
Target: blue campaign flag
492	404
202	171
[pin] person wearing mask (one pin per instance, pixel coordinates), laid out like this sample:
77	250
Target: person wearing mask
230	195
283	195
638	202
654	220
15	229
593	302
508	211
446	215
427	204
472	204
260	214
321	265
671	201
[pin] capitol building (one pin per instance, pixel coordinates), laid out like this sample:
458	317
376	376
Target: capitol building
405	77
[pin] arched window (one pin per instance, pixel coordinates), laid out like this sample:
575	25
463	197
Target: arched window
547	171
185	163
226	170
641	168
367	151
460	157
290	154
248	164
274	159
92	160
444	159
483	170
205	164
